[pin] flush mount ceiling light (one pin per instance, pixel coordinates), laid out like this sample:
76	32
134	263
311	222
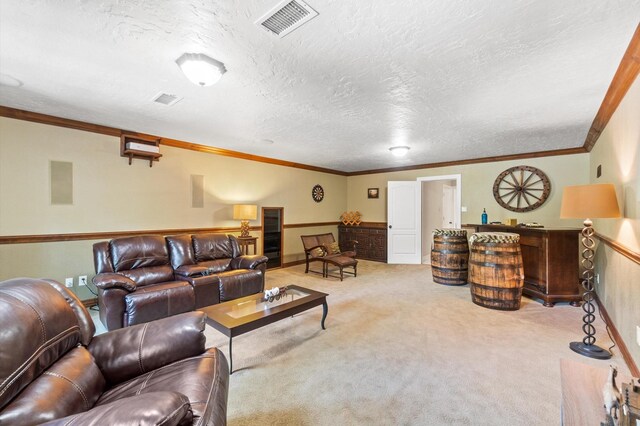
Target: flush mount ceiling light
201	69
399	151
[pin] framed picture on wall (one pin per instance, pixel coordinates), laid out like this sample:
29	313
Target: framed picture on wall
373	192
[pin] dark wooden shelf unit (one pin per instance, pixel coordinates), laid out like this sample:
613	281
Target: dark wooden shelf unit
371	238
550	258
133	153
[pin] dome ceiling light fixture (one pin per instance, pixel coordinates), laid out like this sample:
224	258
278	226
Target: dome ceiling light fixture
400	150
200	69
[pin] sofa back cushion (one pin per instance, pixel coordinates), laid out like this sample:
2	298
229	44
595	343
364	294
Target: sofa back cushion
102	257
181	251
144	259
38	328
71	385
214	246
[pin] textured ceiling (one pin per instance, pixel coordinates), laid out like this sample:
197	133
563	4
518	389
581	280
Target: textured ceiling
454	79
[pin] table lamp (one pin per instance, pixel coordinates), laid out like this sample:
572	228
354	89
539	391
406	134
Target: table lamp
589	202
244	213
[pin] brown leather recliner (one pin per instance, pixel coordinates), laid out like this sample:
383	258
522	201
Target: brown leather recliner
136	283
52	368
206	260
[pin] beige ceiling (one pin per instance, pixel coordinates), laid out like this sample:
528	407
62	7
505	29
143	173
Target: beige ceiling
453	79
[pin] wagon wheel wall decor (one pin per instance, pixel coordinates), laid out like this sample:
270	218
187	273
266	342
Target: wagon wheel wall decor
521	188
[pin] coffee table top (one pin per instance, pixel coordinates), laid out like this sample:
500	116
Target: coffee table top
238	316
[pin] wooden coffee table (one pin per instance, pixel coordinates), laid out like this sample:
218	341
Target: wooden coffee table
239	316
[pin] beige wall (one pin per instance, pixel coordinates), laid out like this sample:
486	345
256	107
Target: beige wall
617	151
477	189
110	195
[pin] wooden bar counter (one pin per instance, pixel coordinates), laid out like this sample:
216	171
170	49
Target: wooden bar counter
550	258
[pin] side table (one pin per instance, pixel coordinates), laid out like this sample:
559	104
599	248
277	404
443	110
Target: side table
245	242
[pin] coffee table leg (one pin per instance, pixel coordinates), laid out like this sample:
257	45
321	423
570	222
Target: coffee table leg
325	309
230	357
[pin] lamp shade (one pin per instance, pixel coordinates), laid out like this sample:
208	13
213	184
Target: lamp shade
589	201
245	211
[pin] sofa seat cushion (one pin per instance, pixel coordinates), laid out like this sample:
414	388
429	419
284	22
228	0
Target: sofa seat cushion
157	301
149	275
202	379
239	283
217	265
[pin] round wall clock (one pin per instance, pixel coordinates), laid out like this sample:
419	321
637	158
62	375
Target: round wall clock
317	193
521	188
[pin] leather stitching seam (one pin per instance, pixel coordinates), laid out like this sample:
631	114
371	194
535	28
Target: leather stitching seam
74	384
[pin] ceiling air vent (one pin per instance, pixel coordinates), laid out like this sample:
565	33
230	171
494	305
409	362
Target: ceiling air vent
286	16
166	99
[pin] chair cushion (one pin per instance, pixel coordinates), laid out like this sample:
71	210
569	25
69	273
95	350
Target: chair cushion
334	248
494	237
450	232
317	252
32	308
71	385
154	408
203	379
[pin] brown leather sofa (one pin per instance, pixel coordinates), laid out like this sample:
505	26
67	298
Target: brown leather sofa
139	279
53	369
206	260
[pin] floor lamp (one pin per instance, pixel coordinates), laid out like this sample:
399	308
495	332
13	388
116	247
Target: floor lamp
590	202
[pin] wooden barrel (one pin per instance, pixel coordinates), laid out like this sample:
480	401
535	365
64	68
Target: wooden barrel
450	256
495	270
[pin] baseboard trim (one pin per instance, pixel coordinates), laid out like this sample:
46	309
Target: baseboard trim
294	263
624	351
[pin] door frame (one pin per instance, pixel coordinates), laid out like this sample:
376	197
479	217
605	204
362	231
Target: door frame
457	208
281	232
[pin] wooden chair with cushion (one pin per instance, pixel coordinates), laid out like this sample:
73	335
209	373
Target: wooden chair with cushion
319	247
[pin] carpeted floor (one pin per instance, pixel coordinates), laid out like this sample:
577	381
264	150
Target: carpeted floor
401	350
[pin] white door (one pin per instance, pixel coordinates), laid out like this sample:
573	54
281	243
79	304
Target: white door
448	206
403	214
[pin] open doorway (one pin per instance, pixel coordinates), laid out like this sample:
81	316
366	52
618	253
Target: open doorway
440	207
272	225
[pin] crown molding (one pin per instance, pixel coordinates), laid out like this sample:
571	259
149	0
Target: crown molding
624	77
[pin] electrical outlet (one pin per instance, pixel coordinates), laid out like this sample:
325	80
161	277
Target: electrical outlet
638	334
463	209
68	282
82	280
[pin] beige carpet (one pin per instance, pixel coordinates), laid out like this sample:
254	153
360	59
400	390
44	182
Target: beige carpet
401	350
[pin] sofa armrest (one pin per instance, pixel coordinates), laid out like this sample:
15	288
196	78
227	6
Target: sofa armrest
131	351
153	408
248	262
111	280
